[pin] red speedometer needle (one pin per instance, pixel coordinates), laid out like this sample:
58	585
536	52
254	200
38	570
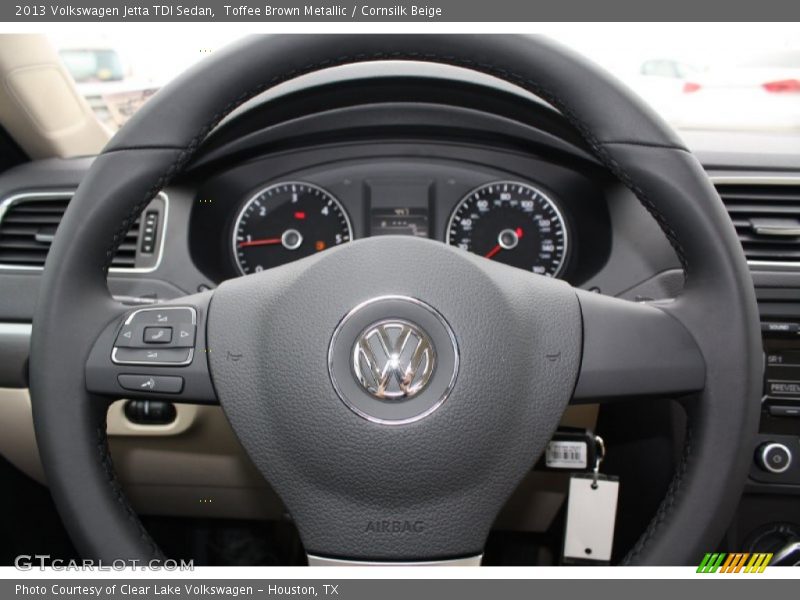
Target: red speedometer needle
507	240
263	242
494	251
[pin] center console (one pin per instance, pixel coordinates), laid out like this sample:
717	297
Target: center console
768	519
777	455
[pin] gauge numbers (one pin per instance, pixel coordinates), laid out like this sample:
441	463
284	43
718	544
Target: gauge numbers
513	223
287	221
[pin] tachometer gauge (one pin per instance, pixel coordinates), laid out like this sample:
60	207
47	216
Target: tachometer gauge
513	223
287	221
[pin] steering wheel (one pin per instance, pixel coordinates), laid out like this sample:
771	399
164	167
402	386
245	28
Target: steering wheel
394	391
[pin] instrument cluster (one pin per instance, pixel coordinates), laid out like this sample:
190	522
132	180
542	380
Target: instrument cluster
513	222
546	218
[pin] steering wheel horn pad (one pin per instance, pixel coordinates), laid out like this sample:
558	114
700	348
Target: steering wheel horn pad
447	473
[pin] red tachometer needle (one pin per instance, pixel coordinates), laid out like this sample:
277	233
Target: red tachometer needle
494	251
264	242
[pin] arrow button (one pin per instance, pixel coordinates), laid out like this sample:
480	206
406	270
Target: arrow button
125	337
184	336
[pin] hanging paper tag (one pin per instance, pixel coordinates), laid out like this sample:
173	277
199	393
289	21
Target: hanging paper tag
591	515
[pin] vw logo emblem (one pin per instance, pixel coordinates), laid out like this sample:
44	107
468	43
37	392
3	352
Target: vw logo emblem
393	360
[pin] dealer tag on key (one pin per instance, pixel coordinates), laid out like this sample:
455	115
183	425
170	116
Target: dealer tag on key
591	515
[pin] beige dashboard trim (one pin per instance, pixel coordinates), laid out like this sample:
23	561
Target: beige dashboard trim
17	438
196	466
193	467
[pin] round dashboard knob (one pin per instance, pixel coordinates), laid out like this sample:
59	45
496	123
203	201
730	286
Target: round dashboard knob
773	457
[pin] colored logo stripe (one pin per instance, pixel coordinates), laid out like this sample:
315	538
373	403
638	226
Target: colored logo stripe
758	563
711	563
735	562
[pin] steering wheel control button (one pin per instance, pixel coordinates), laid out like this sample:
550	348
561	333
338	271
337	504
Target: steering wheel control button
157	335
141	358
152	356
151	384
126	336
163	316
184	336
393	360
774	457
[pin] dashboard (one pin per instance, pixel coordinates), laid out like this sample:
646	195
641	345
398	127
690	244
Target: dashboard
465	163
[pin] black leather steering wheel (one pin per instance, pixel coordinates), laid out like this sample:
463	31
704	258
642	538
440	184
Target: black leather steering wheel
273	347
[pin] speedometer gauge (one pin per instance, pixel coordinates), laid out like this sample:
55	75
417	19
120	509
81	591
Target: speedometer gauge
285	222
513	223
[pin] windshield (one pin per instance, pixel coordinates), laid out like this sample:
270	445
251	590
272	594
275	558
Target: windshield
789	59
698	77
93	64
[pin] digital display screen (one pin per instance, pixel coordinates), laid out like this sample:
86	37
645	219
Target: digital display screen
399	221
783	368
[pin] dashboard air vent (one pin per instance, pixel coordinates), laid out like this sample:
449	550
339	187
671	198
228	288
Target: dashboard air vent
767	219
28	224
